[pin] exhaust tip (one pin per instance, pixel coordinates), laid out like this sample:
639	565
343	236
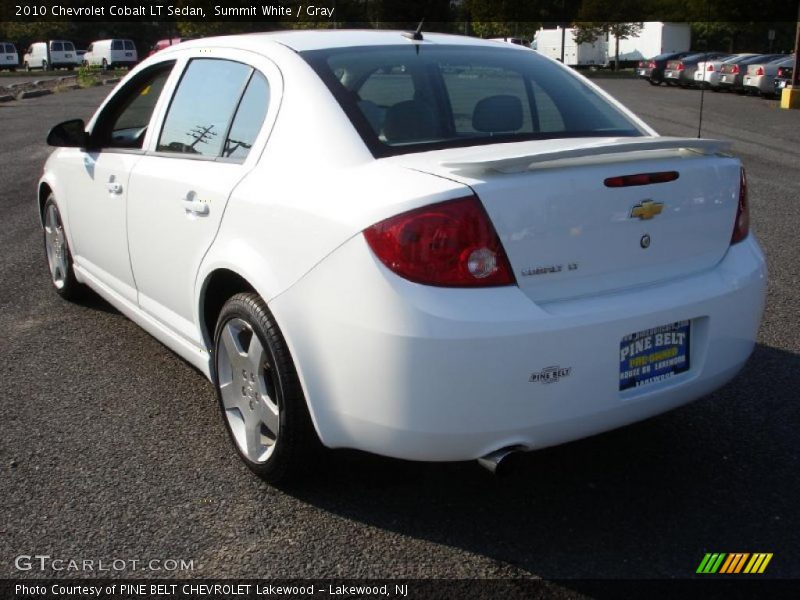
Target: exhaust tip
497	462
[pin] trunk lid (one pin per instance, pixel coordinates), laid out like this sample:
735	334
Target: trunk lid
568	234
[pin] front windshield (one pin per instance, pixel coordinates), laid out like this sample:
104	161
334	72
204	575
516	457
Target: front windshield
408	98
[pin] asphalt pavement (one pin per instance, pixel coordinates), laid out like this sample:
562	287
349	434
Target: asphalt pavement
112	446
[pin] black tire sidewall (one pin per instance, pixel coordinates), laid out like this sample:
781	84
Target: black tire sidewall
71	290
292	443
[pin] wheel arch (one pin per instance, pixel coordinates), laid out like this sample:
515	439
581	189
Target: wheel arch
218	286
45	189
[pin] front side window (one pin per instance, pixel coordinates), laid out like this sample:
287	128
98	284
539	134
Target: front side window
123	123
413	98
203	107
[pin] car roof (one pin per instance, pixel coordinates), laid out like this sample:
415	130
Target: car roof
320	39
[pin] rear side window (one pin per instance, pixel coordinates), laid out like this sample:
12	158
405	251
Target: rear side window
249	118
57	47
116	45
407	98
203	107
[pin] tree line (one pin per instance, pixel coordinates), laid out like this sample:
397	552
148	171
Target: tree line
716	24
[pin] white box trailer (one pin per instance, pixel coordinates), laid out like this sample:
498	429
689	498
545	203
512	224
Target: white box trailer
548	42
655	38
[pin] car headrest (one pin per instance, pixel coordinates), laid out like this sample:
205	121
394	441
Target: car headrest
410	121
497	113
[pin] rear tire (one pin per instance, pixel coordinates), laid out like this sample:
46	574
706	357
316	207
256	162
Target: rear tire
27	67
44	65
59	257
105	65
259	392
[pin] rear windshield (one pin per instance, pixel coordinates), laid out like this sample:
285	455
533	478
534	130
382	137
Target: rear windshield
407	98
129	45
10	49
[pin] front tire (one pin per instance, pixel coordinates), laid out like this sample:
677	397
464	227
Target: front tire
258	390
59	257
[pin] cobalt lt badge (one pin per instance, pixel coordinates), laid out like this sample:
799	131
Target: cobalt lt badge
645	241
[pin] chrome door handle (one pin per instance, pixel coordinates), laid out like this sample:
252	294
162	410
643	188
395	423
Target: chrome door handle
114	188
197	207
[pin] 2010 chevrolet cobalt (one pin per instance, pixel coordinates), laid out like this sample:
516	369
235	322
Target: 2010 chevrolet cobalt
428	247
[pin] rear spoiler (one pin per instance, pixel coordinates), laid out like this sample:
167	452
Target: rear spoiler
524	162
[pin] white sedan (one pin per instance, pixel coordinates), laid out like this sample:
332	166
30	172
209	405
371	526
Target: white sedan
426	246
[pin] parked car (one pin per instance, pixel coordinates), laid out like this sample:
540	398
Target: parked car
51	55
111	54
783	79
760	77
9	59
653	69
161	44
732	74
708	72
413	256
681	71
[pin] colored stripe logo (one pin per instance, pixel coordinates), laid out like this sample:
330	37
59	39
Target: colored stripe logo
734	563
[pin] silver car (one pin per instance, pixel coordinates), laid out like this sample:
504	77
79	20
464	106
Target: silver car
708	73
760	76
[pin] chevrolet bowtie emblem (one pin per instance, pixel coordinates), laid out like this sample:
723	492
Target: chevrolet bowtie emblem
647	209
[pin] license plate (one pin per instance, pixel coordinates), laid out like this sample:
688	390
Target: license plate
129	54
781	84
669	74
725	78
68	56
641	72
653	355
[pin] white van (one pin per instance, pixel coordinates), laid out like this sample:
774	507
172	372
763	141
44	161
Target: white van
51	55
111	53
9	59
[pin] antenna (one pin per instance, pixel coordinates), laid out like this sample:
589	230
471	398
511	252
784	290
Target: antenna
703	81
415	35
702	94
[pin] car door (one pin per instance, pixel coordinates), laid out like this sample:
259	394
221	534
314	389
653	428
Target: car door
97	180
178	191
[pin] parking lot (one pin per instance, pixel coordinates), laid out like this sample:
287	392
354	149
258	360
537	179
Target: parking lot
112	447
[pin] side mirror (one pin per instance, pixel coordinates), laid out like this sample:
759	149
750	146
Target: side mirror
69	134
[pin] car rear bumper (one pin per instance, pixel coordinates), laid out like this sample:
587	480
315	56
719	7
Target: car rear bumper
425	373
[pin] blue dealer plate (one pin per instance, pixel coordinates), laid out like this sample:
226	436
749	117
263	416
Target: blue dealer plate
653	355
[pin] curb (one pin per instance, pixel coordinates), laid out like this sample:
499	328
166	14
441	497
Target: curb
111	80
33	94
6	98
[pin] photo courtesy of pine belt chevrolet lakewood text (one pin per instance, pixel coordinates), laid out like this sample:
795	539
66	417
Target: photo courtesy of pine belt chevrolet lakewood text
424	246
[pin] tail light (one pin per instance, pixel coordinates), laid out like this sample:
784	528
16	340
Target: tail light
741	227
710	67
652	64
780	72
450	244
641	63
760	71
735	69
680	67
